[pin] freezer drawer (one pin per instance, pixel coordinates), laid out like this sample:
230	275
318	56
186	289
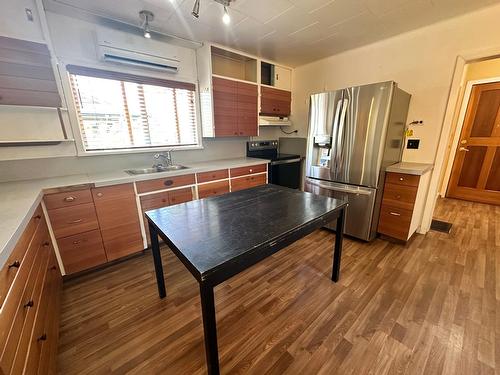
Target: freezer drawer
359	213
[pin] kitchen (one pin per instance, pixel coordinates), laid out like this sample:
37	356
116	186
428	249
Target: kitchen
257	97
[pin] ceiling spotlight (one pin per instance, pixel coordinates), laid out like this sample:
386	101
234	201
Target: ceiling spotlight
225	18
146	17
196	9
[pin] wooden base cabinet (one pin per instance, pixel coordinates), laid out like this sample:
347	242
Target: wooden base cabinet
30	309
402	204
118	218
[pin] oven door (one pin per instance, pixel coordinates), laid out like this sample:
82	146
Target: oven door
285	173
359	212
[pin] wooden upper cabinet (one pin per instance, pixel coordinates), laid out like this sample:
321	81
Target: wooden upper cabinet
274	102
118	219
235	108
26	74
247	104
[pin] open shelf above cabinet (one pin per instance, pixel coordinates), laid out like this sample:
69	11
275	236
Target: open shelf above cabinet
233	65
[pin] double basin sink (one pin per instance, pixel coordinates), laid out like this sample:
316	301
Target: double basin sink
169	168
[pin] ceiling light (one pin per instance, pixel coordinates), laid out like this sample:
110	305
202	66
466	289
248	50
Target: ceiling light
225	18
196	9
146	17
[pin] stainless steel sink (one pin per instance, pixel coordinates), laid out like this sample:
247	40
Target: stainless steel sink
155	169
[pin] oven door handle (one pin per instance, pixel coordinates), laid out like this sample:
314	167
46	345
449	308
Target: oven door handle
340	189
289	161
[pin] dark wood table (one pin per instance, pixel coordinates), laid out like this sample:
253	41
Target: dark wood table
217	238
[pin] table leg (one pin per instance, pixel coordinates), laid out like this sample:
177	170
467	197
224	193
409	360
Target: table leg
155	248
209	328
339	236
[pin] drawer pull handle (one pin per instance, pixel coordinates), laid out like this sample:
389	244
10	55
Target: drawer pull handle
168	182
30	303
14	264
77	242
42	337
251	170
99	195
69	199
398	196
46	244
75	221
395	213
401	178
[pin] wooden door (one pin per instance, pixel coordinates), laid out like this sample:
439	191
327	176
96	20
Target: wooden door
476	170
247	98
275	102
118	219
225	107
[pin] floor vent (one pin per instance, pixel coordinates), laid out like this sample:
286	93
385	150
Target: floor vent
441	226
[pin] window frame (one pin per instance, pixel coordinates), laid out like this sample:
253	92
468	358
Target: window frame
151	75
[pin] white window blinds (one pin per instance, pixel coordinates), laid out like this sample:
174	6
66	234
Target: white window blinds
124	111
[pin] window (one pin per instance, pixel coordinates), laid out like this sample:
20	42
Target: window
124	111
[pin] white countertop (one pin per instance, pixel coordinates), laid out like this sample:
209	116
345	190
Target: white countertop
418	169
19	199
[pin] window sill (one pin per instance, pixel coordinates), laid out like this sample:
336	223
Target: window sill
137	150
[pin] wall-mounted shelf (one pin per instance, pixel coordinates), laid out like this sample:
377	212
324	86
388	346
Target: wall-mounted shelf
34	142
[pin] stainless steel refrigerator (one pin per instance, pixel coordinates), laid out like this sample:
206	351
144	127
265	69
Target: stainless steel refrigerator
354	134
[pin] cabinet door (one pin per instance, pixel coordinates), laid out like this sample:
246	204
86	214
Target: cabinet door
119	220
275	102
247	105
225	107
282	78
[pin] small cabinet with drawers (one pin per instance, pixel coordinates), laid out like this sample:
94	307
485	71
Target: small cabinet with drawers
30	303
75	226
401	207
248	177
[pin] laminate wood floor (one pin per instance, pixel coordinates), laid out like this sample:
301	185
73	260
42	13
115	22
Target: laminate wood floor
430	307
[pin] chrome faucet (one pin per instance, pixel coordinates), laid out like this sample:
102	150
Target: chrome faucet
166	158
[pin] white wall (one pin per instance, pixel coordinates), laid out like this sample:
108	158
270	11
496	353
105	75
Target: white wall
421	61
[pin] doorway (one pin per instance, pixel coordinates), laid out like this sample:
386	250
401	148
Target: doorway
475	174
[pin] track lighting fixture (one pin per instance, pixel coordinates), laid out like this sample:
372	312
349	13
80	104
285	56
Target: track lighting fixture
196	9
225	3
146	17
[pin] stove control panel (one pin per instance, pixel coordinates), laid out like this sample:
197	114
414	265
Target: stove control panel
262	145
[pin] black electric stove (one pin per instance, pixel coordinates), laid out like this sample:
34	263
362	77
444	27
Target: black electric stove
284	169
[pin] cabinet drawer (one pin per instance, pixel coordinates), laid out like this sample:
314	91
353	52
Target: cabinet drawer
394	222
212	175
70	198
23	315
402	179
36	303
152	201
180	196
401	196
68	221
247	182
9	270
242	171
165	183
82	251
213	189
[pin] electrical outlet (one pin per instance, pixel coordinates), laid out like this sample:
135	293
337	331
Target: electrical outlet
413	144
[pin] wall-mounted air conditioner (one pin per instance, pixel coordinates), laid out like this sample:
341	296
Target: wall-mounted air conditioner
113	48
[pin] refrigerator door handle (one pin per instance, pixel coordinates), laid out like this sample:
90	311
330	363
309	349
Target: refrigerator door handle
340	135
335	131
343	189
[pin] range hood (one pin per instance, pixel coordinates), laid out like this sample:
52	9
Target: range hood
274	121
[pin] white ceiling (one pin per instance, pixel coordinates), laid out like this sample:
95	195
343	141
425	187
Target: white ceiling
292	32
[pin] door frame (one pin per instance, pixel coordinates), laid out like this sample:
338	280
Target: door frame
458	130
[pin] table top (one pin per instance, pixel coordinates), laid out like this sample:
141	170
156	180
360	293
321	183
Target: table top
231	231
